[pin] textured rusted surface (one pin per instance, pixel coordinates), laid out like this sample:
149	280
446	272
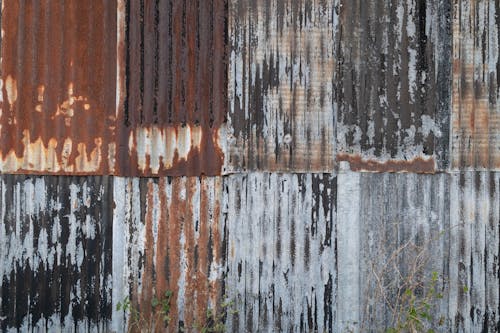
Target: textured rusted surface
357	163
55	254
392	81
169	239
475	117
390	225
263	242
58	73
281	113
173	87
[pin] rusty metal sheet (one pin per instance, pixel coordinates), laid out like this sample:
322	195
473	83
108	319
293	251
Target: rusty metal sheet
55	253
169	237
172	87
386	222
476	116
137	89
281	65
58	74
393	85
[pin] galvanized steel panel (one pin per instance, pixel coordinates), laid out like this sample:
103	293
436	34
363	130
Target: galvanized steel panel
385	221
55	253
475	117
281	252
172	87
281	65
58	74
393	85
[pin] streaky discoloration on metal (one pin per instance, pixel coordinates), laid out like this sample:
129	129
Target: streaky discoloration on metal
281	64
55	253
454	217
281	252
418	164
58	87
475	116
392	104
173	87
172	241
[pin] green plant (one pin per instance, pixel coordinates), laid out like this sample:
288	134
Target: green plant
215	322
137	320
403	290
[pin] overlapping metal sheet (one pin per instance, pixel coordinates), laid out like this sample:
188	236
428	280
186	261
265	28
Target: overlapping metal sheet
58	86
55	253
475	116
281	85
390	226
393	85
172	87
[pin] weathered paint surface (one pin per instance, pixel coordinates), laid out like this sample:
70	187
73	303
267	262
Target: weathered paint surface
392	85
173	87
58	73
475	117
281	65
281	252
55	253
389	223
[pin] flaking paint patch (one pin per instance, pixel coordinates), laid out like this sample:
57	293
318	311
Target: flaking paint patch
281	69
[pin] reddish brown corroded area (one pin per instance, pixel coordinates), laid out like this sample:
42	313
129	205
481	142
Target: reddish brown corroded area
58	72
174	80
131	88
416	165
183	254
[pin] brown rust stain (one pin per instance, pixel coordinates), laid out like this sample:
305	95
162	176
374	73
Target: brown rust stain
183	256
416	165
58	65
475	119
174	79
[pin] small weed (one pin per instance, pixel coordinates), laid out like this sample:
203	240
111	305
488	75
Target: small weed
137	320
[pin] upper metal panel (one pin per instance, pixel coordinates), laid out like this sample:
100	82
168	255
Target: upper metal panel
476	115
58	72
393	85
281	113
172	87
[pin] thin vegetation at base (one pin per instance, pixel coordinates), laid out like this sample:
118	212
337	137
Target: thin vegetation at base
160	307
214	322
403	291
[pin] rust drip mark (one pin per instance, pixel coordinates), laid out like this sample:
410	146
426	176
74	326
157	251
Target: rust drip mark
415	165
59	87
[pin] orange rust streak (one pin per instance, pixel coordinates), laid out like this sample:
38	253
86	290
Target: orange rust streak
417	165
147	279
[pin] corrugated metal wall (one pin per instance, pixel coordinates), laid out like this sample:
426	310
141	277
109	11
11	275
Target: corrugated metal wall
290	165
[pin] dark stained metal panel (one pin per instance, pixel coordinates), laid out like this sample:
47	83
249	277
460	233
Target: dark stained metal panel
281	65
475	116
173	87
393	85
55	253
383	223
168	237
58	72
